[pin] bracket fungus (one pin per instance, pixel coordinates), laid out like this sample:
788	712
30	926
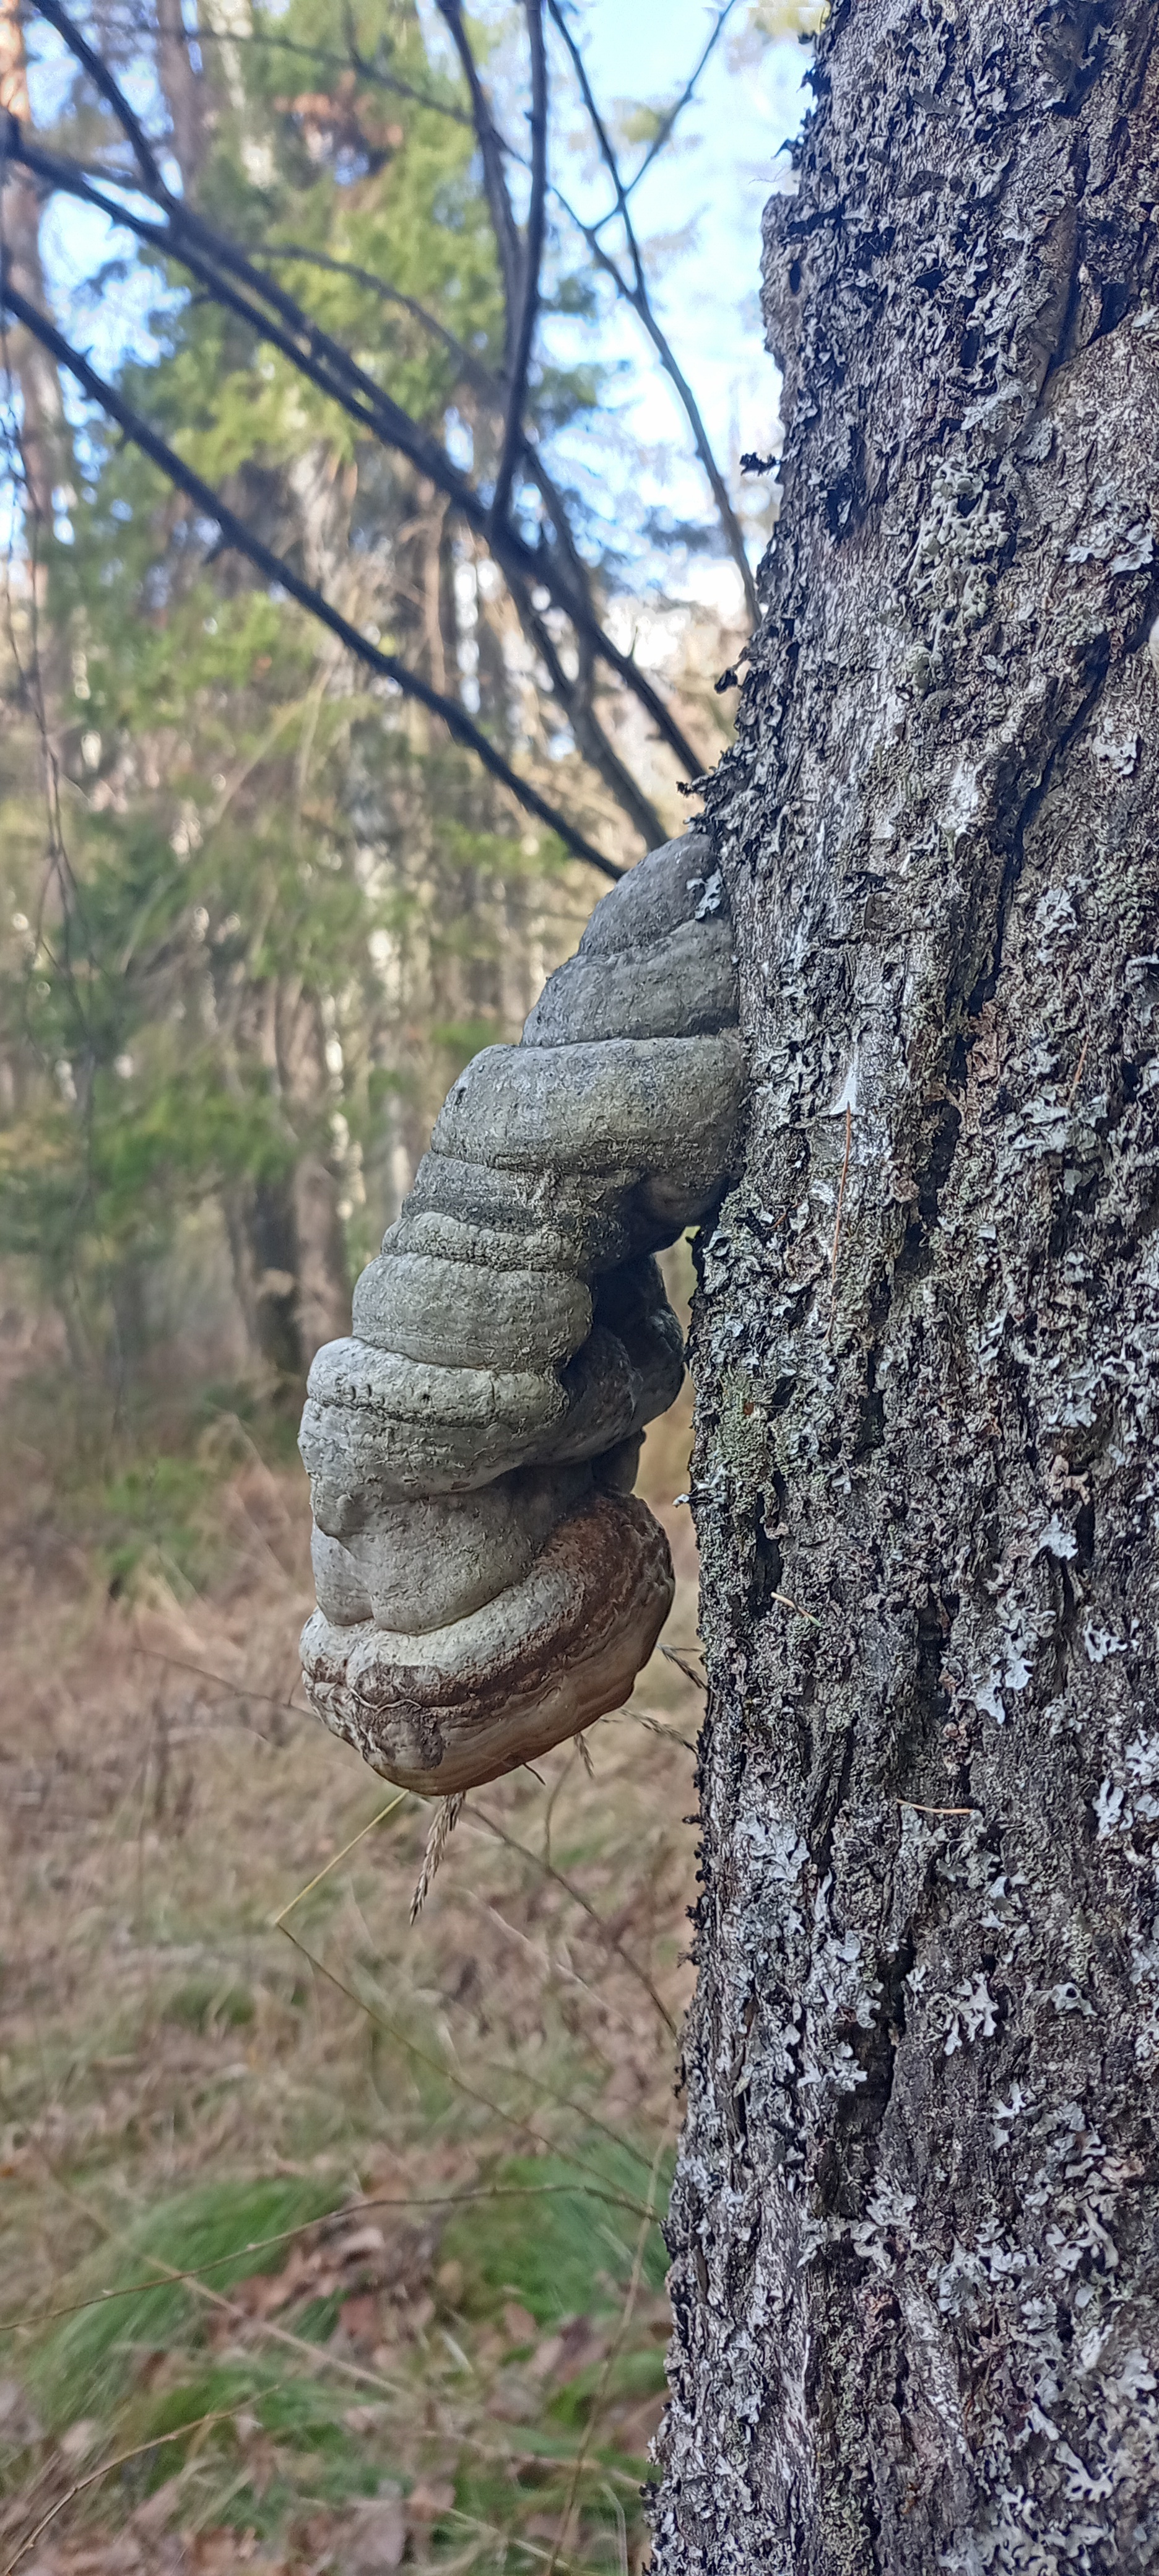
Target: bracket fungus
487	1581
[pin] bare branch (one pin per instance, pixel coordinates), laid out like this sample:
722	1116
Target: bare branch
113	95
263	39
603	138
274	569
482	378
472	368
519	354
638	297
675	112
493	149
188	238
188	229
642	306
574	695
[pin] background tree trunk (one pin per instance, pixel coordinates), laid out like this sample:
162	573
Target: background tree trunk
44	441
914	2224
44	438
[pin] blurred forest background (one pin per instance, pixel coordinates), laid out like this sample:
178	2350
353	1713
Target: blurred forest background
257	907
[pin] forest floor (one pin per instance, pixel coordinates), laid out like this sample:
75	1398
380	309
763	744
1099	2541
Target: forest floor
327	2244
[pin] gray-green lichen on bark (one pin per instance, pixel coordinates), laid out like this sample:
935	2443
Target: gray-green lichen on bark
915	2220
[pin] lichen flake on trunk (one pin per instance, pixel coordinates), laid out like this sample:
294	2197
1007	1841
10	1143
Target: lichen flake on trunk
915	2219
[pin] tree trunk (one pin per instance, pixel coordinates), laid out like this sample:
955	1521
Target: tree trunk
44	440
289	1266
43	434
285	1227
259	1217
185	94
914	2226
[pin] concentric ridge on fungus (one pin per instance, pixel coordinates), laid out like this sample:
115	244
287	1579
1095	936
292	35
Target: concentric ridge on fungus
487	1581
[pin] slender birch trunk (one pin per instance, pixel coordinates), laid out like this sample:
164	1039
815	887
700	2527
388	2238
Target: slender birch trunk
915	2223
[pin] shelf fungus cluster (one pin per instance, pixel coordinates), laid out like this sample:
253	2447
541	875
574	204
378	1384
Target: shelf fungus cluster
487	1581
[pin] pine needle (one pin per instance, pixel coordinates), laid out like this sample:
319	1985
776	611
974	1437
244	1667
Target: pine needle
443	1823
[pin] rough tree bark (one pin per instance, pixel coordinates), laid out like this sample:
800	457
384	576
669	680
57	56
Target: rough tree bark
914	2225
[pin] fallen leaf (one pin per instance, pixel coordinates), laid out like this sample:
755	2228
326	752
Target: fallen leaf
449	2281
374	2539
360	2318
429	2500
564	2355
362	2240
18	2424
78	2439
364	2419
158	2509
513	2400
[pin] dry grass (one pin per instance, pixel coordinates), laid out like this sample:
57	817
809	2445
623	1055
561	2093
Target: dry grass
465	2374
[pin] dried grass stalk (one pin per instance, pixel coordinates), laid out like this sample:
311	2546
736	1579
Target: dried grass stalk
443	1823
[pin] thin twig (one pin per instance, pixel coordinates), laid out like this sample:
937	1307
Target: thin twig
450	2075
573	692
109	89
519	353
548	1870
676	111
317	2358
278	1922
348	2210
212	257
548	1966
604	140
492	150
655	1726
557	1786
241	1690
372	73
636	294
215	260
562	2566
220	2415
312	2354
473	369
919	1810
610	2359
787	1604
1078	1073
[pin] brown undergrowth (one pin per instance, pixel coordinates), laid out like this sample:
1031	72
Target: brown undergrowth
333	2246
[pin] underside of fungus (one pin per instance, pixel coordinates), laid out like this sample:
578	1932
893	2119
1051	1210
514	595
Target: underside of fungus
487	1581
